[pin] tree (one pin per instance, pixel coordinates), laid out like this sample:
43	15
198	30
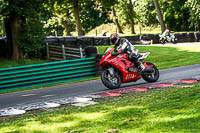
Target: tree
17	16
63	11
126	13
93	14
176	15
194	11
145	13
75	4
12	21
160	17
110	4
116	20
131	17
2	29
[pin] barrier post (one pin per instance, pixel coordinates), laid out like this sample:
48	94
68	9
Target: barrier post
63	52
47	46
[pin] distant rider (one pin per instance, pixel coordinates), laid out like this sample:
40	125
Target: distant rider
166	33
123	45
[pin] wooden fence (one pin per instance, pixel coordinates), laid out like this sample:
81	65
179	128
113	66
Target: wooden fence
58	52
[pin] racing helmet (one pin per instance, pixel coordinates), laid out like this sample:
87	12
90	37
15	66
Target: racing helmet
168	28
114	39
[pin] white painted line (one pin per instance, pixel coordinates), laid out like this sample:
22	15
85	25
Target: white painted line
28	95
83	104
82	99
47	96
51	105
12	111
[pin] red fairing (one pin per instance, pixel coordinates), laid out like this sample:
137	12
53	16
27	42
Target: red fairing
147	66
122	63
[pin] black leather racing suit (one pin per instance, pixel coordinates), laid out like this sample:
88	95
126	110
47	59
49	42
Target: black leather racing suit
125	46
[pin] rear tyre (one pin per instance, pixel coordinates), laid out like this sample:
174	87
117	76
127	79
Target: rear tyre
153	76
111	82
162	41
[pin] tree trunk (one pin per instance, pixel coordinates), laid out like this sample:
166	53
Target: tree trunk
12	25
116	20
66	30
9	38
77	18
160	17
15	26
131	17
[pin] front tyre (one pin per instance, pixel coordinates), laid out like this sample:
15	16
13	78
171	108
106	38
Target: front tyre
111	81
152	76
174	42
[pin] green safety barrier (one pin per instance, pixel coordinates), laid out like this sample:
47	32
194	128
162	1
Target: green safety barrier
47	73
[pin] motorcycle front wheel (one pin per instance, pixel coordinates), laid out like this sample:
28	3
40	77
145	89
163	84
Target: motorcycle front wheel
174	42
152	76
111	81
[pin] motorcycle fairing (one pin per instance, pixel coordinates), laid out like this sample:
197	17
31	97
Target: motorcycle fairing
147	66
122	64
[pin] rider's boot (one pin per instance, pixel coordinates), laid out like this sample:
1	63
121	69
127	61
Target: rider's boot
138	65
142	68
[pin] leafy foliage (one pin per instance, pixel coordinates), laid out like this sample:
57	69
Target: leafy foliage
41	18
2	32
146	13
194	11
31	28
92	15
32	39
61	19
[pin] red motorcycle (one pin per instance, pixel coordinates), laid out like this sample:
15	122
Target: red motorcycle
118	69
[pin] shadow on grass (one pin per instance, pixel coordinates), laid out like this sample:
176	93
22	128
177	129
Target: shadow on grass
170	110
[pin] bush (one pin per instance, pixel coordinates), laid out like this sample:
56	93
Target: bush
32	39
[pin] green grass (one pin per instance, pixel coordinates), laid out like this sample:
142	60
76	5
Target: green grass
9	63
169	56
159	110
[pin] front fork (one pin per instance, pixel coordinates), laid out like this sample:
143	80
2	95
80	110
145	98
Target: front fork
111	71
141	65
111	76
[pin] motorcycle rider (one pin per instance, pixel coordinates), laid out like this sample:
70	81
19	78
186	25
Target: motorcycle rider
166	33
123	45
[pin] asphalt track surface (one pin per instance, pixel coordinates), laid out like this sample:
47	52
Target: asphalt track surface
87	87
91	87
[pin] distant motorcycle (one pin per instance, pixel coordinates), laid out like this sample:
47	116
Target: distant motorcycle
171	38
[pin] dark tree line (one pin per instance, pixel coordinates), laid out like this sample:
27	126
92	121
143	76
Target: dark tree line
26	23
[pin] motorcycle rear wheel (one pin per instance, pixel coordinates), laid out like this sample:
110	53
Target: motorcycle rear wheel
162	41
112	83
151	77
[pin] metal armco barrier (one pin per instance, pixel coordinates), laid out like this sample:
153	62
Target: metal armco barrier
47	73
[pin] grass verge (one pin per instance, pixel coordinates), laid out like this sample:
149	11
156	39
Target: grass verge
172	109
10	63
169	56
